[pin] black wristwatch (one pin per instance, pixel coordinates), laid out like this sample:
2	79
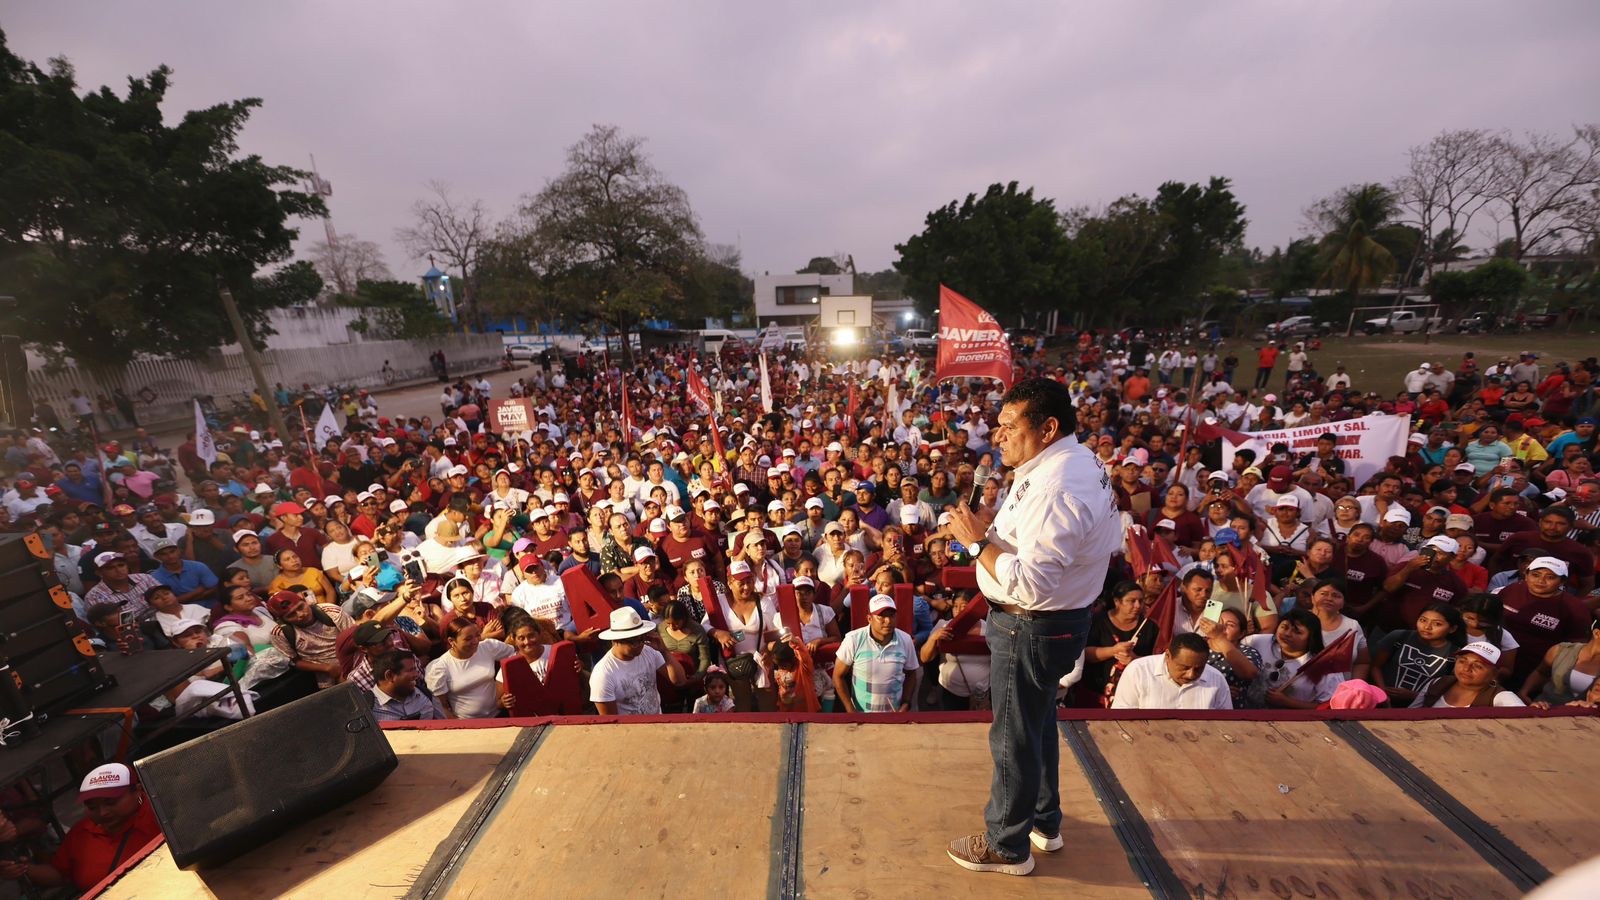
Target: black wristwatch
976	548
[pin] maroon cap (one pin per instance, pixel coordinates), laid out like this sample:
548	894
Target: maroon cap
1278	478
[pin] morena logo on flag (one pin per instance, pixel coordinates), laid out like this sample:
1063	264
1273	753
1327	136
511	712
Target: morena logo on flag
971	342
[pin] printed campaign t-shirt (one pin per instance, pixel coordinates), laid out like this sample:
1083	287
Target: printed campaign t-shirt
630	684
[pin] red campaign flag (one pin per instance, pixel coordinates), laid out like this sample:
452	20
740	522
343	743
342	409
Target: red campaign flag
1161	553
698	393
1138	552
971	342
1164	613
558	694
1336	658
627	412
1252	572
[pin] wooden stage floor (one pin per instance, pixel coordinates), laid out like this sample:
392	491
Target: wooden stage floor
1310	808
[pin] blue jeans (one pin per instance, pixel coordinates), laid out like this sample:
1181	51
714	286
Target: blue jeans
1027	659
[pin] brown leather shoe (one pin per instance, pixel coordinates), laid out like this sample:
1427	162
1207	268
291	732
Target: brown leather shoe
973	852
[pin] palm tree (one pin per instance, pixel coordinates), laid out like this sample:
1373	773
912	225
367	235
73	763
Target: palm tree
1351	220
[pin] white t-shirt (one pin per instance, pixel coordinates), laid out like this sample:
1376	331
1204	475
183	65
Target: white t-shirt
339	556
630	684
965	673
821	615
469	682
547	601
1504	698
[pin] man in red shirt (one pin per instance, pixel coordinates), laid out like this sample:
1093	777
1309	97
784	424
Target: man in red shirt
1551	540
680	546
117	825
1425	578
307	542
1266	358
1494	526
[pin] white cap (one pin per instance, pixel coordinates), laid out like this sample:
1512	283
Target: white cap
550	510
537	513
376	487
789	451
109	780
172	628
944	519
832	527
1167	523
262	488
1549	563
776	506
363	496
1466	467
1426	365
238	536
101	559
640	553
740	569
1442	543
1489	652
202	517
909	516
801	581
879	603
741	488
455	470
561	497
1286	500
816	503
398	506
657	526
331	499
709	505
835	447
1397	513
674	512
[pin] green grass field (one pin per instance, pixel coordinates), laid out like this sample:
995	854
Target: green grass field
1380	363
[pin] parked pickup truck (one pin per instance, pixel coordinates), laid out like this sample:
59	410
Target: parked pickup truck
1401	321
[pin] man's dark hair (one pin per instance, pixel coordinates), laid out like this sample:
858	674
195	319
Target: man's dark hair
1198	572
1501	494
388	663
1188	641
1041	399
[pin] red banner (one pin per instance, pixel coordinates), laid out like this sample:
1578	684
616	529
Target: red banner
697	392
971	343
511	415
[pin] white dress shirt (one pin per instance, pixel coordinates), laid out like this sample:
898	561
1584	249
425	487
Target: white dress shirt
1146	684
1057	532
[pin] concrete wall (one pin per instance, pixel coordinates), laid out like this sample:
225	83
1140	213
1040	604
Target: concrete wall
171	384
766	293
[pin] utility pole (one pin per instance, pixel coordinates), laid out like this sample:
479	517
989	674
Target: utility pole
274	414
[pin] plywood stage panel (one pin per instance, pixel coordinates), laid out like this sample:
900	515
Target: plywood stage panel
610	811
1262	808
1533	779
881	803
365	850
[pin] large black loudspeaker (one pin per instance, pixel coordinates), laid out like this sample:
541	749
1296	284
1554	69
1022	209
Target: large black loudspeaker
51	661
230	791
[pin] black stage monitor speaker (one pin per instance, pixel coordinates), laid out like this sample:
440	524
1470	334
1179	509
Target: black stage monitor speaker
230	791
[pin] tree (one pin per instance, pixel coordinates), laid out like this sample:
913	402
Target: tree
1004	250
1545	188
116	226
454	230
887	285
610	236
347	261
1201	225
1113	258
1500	282
1350	222
393	310
717	288
824	265
1446	183
1294	269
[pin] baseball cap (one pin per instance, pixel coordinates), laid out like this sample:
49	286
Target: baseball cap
880	603
369	634
1442	543
675	514
835	447
1279	479
1548	563
164	544
815	503
282	601
740	569
1397	513
1467	467
288	507
107	558
106	782
1458	520
1357	694
657	526
1489	652
202	517
776	506
642	553
801	581
331	499
832	527
1226	536
710	505
1252	470
1416	438
243	533
561	497
262	488
528	560
866	486
398	506
909	515
1287	500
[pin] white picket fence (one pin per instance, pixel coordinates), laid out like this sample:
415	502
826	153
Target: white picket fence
163	389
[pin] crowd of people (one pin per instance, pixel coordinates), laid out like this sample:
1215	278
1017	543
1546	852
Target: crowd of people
422	558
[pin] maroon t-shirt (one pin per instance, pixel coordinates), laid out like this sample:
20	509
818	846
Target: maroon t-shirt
1579	559
678	553
1487	529
1539	624
1422	587
1363	577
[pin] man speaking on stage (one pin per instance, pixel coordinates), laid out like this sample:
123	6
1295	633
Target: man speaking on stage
1041	563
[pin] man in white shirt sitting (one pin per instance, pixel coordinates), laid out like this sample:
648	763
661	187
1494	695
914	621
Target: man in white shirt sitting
1177	679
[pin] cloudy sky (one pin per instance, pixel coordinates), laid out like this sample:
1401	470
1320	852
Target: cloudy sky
813	128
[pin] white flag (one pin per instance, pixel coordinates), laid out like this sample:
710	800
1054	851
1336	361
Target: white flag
205	446
766	387
326	427
893	404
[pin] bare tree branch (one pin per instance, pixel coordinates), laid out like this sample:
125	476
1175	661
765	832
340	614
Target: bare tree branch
347	262
453	230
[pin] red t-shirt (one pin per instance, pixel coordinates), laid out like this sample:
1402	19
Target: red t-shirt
89	854
1422	587
1267	357
1579	559
1539	624
1489	530
1363	576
